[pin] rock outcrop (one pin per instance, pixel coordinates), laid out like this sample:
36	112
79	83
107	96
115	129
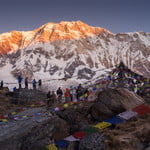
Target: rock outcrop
5	101
111	102
77	117
32	131
24	96
94	141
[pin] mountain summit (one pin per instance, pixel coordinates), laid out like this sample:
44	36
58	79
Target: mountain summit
10	42
71	50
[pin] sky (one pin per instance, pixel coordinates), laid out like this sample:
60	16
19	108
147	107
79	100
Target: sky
117	16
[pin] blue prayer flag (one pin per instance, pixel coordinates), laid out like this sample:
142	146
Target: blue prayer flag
114	120
61	144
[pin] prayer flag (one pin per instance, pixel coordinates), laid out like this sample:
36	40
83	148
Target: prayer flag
114	120
13	113
89	130
102	125
79	135
127	114
24	116
4	120
142	109
61	144
71	138
51	147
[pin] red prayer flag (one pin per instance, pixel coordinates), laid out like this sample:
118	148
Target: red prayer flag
79	135
2	117
142	109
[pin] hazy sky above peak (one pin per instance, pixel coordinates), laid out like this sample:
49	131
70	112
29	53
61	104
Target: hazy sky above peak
115	15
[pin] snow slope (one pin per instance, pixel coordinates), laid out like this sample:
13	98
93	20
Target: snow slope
71	51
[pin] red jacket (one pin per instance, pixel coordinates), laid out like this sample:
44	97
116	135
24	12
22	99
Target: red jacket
67	93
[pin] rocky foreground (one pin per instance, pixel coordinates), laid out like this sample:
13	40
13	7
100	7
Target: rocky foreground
44	126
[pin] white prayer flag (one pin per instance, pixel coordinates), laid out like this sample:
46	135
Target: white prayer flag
127	114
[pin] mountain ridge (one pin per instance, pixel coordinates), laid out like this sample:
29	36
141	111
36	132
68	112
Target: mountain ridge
77	57
47	33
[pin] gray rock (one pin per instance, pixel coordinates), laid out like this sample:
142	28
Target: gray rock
29	132
94	141
111	102
23	96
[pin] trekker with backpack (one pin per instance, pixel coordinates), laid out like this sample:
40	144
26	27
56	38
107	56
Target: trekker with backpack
40	83
67	95
2	83
59	93
26	83
34	84
20	81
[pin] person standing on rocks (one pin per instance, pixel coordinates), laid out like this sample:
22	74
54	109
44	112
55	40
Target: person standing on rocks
20	81
72	93
67	95
2	83
59	94
79	91
26	83
14	89
40	83
54	100
51	98
86	93
48	98
34	84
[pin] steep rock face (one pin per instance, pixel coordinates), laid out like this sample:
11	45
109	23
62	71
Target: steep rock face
72	49
49	32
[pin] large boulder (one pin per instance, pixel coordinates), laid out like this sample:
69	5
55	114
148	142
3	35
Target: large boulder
110	102
37	131
23	96
76	117
93	141
4	100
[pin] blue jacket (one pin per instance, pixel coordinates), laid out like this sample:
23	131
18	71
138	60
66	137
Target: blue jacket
19	79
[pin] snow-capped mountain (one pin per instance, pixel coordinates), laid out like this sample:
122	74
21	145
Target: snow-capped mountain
71	50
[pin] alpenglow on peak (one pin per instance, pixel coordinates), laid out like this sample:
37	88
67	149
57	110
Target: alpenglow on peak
10	42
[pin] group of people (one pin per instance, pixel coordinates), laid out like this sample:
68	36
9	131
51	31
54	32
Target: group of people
71	94
119	77
26	82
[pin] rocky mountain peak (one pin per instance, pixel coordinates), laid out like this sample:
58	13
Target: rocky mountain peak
10	42
66	30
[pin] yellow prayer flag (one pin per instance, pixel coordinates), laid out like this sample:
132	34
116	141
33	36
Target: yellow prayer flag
97	86
4	120
51	147
13	113
66	105
102	125
85	94
24	116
